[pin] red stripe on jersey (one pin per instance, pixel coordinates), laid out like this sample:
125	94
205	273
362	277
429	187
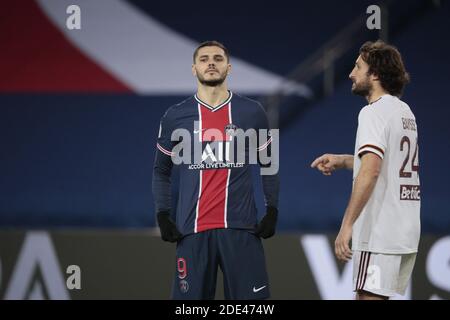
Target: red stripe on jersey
211	210
217	120
212	201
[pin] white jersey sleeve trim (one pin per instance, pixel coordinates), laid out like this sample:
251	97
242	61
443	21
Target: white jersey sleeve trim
379	151
165	151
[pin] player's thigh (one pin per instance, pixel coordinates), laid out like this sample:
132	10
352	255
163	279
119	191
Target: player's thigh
243	264
195	268
376	273
406	268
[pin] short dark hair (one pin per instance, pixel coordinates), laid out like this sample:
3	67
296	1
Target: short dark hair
385	61
212	43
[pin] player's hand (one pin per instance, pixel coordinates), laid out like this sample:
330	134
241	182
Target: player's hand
328	163
341	245
169	231
266	227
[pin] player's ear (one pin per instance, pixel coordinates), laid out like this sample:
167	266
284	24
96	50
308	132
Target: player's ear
229	68
374	77
194	72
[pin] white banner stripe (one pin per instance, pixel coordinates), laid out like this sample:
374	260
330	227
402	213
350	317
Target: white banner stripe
148	56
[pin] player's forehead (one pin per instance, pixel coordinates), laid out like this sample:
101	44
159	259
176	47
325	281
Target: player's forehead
360	62
210	51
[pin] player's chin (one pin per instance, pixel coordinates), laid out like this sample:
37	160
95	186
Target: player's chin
213	77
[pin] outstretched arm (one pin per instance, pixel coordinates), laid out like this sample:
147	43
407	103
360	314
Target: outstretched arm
328	163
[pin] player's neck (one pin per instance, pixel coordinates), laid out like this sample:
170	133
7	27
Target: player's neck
375	94
213	96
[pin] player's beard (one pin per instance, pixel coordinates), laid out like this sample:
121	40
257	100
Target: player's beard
363	88
213	82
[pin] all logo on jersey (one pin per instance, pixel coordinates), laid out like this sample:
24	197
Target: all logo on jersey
231	147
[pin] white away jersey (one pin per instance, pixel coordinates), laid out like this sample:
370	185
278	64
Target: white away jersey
390	221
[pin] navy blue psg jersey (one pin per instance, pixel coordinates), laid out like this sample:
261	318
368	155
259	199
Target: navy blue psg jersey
211	195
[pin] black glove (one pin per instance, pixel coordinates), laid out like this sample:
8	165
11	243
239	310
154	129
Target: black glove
169	231
266	227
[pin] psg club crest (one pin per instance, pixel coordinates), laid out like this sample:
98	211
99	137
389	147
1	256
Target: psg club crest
230	129
184	286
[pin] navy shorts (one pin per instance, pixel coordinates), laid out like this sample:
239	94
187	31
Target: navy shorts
239	254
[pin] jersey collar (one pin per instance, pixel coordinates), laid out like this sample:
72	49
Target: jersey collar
213	109
384	95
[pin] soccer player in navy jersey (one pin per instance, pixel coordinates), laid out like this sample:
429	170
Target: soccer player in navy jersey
215	222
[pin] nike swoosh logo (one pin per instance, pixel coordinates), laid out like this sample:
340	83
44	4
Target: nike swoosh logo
259	289
198	131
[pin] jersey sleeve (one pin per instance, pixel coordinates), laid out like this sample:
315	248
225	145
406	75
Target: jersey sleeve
270	182
162	168
372	133
164	143
264	140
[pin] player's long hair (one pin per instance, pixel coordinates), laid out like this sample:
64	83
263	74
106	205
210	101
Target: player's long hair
386	62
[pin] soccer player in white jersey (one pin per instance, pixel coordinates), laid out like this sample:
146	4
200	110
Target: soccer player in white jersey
383	215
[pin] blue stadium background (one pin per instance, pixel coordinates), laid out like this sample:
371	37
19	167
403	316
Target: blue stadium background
83	158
